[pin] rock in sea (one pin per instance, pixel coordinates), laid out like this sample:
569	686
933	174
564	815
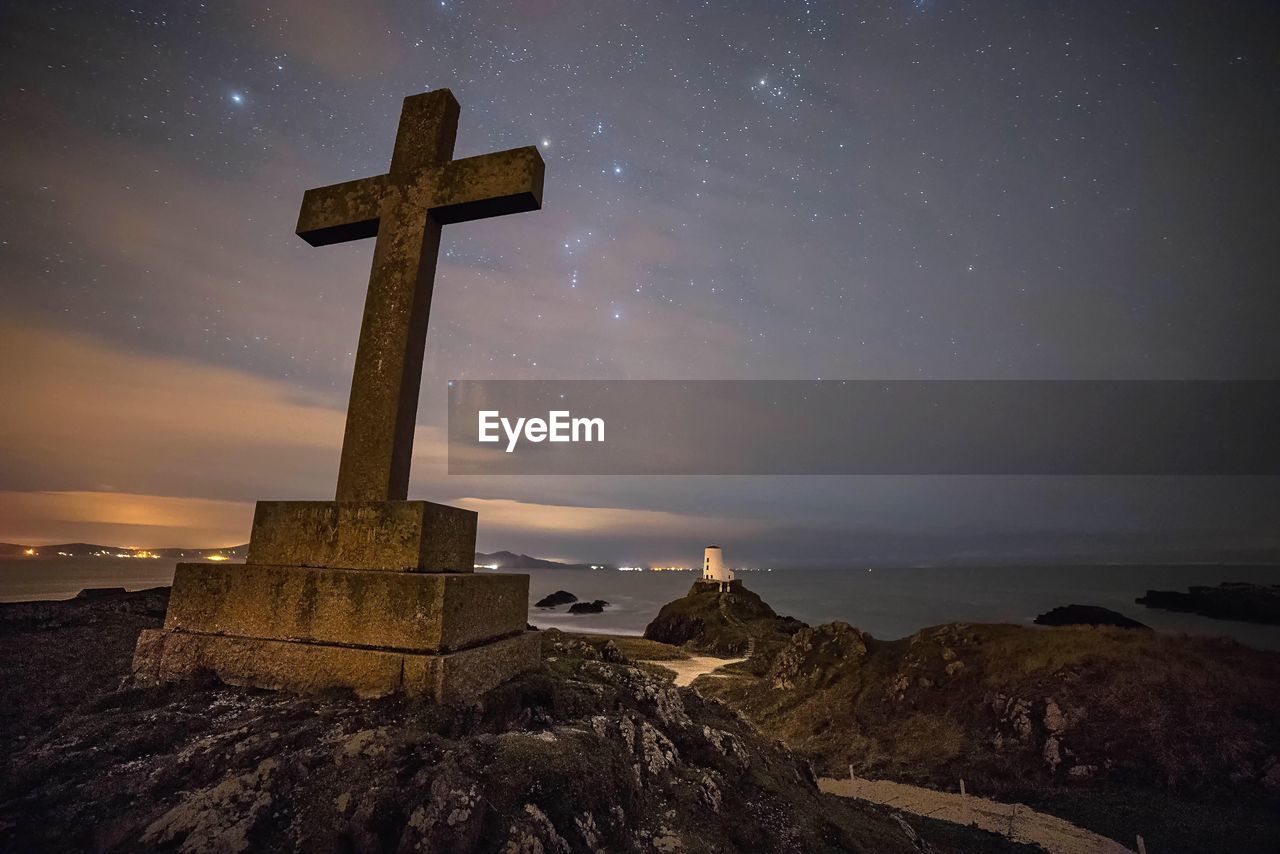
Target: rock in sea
1087	615
560	597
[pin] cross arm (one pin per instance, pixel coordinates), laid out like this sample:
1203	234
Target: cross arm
341	212
489	185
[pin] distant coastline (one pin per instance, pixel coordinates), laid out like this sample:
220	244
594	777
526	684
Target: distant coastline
99	550
490	560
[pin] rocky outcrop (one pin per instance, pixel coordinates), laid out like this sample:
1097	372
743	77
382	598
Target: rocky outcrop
586	753
729	623
554	600
1087	615
1008	707
815	655
1251	603
594	607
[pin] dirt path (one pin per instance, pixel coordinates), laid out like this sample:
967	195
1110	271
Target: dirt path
1015	821
689	669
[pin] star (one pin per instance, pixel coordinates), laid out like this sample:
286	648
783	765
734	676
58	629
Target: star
237	98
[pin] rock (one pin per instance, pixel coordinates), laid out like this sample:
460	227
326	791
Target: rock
554	600
1231	600
534	833
595	607
1087	615
218	818
580	754
1018	714
812	652
556	643
95	592
1139	712
609	652
1054	721
719	622
1271	778
1052	753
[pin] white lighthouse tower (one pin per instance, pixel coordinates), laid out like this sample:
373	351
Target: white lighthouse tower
713	568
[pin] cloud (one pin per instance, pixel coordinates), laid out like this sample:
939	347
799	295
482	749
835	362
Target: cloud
588	534
84	413
507	516
132	447
173	256
123	519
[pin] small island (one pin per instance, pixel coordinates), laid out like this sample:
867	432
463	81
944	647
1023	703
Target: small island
596	607
1087	615
721	619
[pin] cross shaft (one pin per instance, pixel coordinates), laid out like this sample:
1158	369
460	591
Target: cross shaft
404	209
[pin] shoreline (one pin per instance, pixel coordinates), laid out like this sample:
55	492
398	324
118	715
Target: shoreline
888	605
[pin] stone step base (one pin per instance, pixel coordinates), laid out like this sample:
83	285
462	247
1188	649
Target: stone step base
418	536
309	668
407	611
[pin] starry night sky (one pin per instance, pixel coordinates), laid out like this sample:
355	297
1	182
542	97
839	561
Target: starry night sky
734	190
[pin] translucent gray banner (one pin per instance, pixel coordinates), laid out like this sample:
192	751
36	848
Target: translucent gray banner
828	427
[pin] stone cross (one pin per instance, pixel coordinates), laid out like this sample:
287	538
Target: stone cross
405	208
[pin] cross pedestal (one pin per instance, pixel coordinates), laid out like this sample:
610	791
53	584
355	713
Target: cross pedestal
372	596
370	592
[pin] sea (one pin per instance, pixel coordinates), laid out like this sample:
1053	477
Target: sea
887	603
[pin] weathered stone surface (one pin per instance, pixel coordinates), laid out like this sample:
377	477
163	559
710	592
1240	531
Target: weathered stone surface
342	212
309	668
460	676
164	656
414	536
405	209
391	610
310	611
489	185
574	744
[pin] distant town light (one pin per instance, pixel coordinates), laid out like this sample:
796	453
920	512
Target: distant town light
29	552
